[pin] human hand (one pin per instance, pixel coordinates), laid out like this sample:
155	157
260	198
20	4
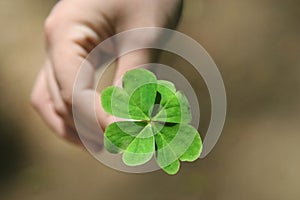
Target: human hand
73	29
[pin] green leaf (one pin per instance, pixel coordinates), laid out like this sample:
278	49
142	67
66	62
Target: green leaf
176	141
162	117
143	98
135	139
172	168
136	78
185	111
166	91
167	84
115	101
175	105
141	149
195	148
170	106
165	154
175	110
119	135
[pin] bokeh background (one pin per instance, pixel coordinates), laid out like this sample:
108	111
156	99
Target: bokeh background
256	45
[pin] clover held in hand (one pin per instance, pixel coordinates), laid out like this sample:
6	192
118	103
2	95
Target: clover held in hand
155	122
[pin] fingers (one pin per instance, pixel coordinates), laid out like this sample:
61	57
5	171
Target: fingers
66	59
70	76
42	102
72	30
70	36
59	104
65	67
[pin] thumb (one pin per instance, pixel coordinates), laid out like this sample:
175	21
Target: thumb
138	42
133	60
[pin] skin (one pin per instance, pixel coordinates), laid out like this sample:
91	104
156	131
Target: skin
72	30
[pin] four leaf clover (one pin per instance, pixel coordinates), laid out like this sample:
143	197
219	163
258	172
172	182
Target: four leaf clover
155	122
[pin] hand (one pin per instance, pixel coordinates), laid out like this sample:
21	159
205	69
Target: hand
73	29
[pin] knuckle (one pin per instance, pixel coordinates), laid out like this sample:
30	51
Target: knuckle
50	25
34	101
63	135
67	136
60	109
54	25
67	96
57	18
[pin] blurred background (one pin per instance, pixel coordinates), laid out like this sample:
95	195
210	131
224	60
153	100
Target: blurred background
256	45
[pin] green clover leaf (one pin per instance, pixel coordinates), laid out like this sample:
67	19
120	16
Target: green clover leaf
156	122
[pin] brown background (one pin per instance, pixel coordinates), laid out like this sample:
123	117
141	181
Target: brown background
256	45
